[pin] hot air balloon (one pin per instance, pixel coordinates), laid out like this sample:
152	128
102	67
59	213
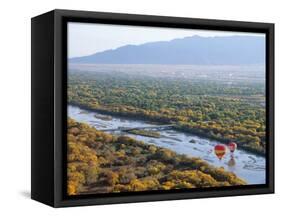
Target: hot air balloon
232	146
220	151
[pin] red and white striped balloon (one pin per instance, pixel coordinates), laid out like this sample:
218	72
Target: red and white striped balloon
232	146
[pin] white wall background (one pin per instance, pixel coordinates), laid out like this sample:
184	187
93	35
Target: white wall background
15	106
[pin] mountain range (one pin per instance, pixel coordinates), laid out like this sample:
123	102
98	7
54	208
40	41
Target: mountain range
193	50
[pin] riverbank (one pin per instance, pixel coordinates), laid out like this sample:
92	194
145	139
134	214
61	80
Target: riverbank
248	166
145	133
163	120
99	162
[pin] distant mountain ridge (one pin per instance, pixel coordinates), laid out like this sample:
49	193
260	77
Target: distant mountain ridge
193	50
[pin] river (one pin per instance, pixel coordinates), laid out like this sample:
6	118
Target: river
245	165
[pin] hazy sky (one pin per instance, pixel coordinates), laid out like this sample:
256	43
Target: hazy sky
88	38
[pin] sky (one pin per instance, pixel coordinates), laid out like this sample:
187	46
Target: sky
89	38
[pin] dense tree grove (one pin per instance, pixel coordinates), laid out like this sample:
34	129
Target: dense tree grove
214	109
101	163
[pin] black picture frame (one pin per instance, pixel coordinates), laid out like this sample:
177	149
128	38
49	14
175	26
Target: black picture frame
49	107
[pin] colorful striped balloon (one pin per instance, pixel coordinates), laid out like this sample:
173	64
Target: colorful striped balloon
232	146
220	151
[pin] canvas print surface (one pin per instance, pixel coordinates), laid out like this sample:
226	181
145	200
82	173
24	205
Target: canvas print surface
153	108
